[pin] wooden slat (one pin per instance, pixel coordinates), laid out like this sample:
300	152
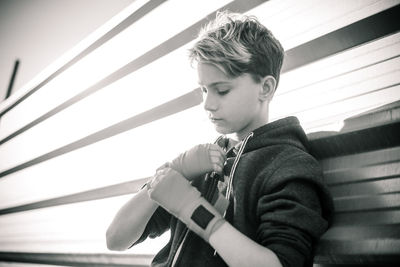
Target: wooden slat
135	16
358	82
76	227
391	185
364	179
378	25
174	106
379	217
358	252
362	159
368	203
161	50
128	157
363	232
351	60
351	245
149	57
369	139
94	194
74	259
357	175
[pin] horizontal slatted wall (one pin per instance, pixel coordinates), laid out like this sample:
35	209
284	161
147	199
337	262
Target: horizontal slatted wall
76	142
365	183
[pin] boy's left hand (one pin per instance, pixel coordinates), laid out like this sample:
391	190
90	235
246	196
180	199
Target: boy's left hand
199	160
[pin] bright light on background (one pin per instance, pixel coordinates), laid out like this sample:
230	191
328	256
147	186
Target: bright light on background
321	94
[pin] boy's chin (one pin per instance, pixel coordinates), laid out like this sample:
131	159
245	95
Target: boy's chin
222	130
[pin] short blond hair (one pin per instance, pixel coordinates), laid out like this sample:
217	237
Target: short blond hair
239	44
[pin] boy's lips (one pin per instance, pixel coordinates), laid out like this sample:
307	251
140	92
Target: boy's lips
214	119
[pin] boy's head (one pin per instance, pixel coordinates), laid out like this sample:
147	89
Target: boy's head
239	44
239	62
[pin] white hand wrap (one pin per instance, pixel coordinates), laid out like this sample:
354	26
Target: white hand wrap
200	160
175	194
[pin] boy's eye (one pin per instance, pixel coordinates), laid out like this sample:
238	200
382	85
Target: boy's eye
223	92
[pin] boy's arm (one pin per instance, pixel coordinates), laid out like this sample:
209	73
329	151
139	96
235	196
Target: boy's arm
129	223
173	192
238	250
131	220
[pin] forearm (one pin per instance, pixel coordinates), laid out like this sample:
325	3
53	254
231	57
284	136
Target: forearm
238	250
130	221
206	221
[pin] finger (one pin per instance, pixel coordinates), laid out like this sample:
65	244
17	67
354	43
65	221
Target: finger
217	148
218	159
216	154
167	164
153	181
157	177
217	169
160	171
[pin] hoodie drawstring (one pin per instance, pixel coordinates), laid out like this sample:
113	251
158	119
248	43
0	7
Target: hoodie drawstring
235	163
232	172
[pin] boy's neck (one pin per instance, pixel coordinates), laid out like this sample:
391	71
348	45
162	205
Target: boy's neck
239	136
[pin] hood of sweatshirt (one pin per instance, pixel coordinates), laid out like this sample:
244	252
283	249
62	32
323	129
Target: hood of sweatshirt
287	131
282	132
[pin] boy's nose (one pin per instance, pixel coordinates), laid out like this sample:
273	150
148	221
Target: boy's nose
210	103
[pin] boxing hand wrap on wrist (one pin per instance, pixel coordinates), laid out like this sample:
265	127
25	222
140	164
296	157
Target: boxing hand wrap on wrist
175	194
199	160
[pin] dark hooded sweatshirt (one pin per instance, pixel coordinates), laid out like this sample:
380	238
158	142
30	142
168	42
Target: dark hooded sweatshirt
278	199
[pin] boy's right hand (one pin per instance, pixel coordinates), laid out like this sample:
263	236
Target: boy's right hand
199	160
169	189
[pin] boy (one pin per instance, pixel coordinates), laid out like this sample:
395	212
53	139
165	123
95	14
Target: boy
262	200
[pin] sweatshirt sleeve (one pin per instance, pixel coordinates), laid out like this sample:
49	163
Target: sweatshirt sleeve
156	226
290	211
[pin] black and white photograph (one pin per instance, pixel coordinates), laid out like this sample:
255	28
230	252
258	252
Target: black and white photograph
200	133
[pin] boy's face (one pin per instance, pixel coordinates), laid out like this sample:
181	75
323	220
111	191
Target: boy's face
233	104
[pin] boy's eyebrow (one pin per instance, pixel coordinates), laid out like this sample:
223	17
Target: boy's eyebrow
214	83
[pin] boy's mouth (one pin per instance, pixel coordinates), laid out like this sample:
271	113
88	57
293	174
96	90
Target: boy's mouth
216	120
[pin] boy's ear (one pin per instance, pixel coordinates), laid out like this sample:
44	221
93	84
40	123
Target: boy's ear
268	88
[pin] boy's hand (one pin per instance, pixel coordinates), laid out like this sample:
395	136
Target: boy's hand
175	194
200	159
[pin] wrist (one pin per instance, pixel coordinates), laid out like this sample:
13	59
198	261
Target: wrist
218	224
